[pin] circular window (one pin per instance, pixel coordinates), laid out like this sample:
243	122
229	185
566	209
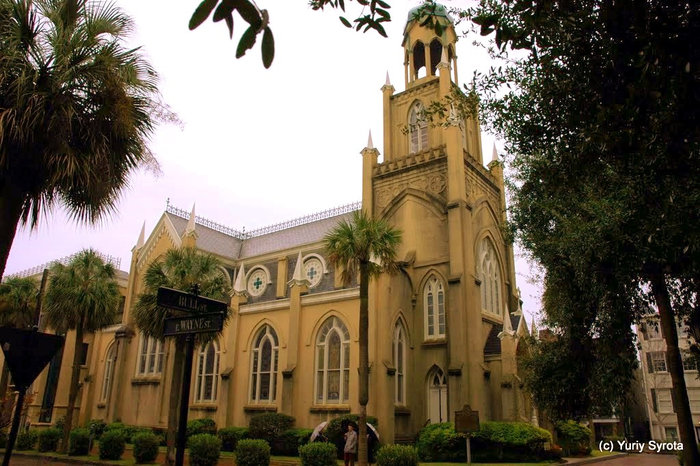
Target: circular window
313	269
257	282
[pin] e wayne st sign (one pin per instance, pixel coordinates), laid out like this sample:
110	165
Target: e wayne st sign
207	315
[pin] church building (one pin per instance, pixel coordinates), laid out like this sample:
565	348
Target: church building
445	331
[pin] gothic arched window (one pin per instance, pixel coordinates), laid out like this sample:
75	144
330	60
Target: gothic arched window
263	369
434	307
399	347
332	362
207	378
108	376
417	129
490	277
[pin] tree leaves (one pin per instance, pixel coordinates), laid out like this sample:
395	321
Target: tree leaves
268	48
247	41
201	13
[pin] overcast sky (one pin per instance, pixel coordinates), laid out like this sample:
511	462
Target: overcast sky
256	146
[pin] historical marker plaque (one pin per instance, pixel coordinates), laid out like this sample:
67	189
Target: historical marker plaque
466	420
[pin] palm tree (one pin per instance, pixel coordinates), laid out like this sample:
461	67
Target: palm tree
76	111
361	246
17	303
180	269
81	296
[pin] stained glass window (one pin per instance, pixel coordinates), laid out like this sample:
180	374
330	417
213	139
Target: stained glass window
332	362
263	375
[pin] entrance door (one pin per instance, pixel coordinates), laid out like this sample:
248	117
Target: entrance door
437	397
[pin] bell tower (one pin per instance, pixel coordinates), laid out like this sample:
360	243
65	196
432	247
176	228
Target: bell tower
433	186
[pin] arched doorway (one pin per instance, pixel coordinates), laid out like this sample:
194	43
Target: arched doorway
437	396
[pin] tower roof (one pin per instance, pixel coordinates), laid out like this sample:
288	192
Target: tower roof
424	10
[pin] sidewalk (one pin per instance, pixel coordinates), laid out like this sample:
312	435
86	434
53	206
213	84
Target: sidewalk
596	459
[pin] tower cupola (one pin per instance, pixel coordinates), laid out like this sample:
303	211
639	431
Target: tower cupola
429	31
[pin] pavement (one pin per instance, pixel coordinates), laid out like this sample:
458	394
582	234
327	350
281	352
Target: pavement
623	459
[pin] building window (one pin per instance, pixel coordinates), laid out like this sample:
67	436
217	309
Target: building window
332	362
207	378
417	129
671	433
263	374
490	276
434	304
656	361
694	398
313	270
689	362
257	282
400	364
150	356
110	360
664	401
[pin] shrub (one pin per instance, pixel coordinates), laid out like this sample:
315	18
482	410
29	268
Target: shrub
335	433
204	450
573	438
289	441
201	426
96	427
508	441
145	447
397	455
318	454
49	438
440	442
230	436
60	422
112	445
269	426
27	440
252	452
79	442
127	431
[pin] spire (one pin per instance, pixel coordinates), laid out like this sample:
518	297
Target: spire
533	332
443	57
191	222
369	141
239	286
494	154
142	236
299	277
387	83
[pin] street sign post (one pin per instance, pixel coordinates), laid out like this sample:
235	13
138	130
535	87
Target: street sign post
205	316
467	422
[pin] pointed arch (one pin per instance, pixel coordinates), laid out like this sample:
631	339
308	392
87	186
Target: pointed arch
491	276
322	320
108	376
418	51
264	365
417	128
207	375
436	382
258	326
434	300
432	202
332	381
435	55
399	353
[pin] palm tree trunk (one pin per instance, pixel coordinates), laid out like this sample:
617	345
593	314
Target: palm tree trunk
4	379
10	211
675	368
174	403
74	380
364	364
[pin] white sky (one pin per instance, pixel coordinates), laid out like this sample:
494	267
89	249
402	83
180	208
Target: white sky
257	146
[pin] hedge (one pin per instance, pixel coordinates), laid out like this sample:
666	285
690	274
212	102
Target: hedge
79	442
27	440
573	438
145	447
205	450
112	444
397	455
201	426
269	426
48	439
252	452
289	441
230	436
318	454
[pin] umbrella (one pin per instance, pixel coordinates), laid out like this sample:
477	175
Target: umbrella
372	431
317	431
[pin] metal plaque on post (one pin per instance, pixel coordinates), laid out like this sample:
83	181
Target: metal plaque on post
467	422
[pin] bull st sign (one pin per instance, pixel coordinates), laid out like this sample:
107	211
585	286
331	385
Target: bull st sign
181	301
200	323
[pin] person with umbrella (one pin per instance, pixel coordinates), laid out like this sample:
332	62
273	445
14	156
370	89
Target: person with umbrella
350	446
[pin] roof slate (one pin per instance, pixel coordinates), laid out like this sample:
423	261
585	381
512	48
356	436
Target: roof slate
225	245
493	343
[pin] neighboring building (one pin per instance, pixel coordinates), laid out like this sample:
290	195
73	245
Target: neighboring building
657	380
444	331
51	387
